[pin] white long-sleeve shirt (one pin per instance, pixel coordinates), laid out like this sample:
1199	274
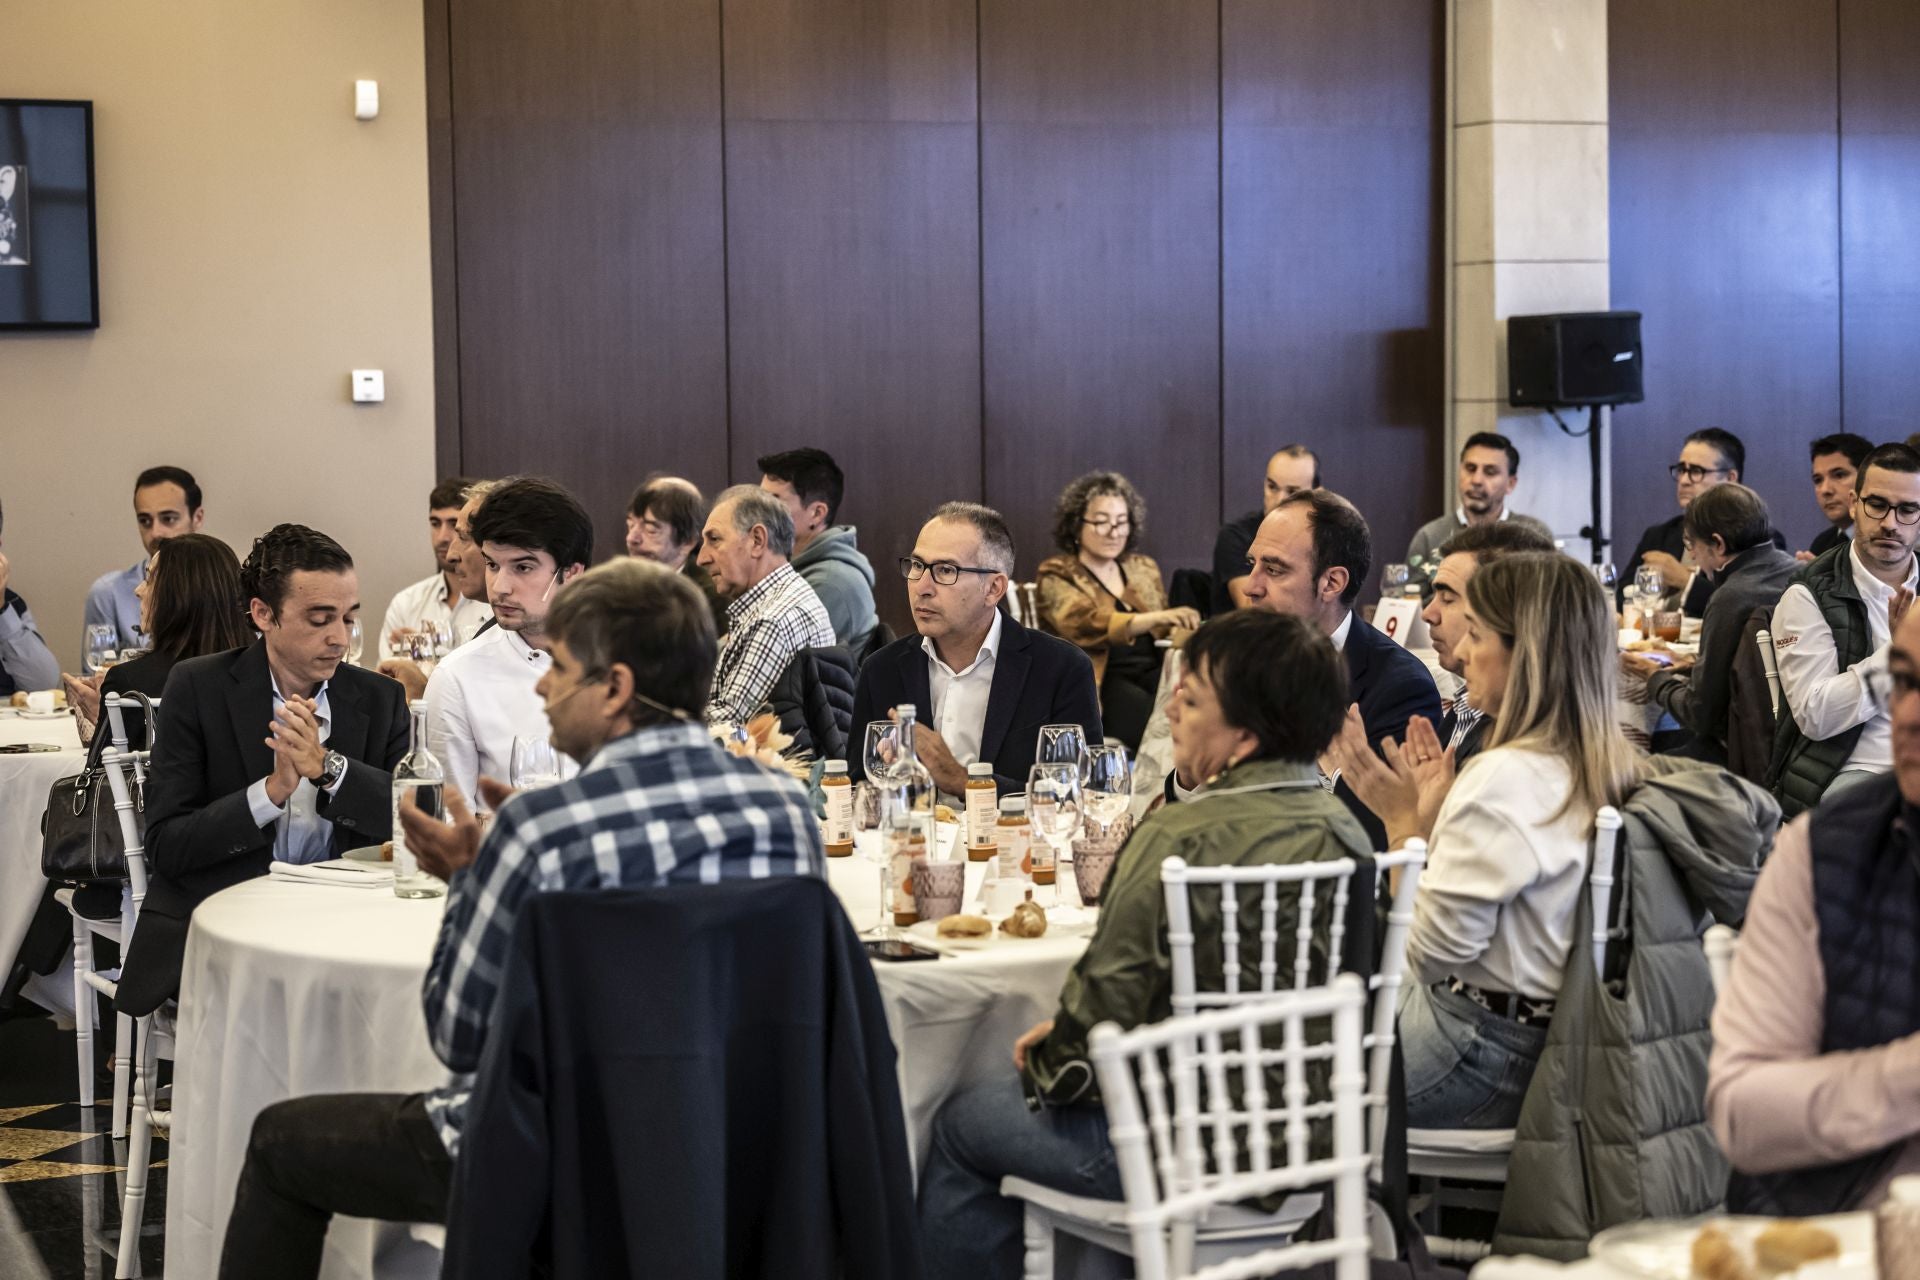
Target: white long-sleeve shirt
1503	877
479	699
1825	700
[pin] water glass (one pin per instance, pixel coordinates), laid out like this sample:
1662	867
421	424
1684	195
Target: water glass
882	747
1053	809
1091	868
535	763
1647	580
1605	575
103	638
356	643
1060	744
938	888
1106	783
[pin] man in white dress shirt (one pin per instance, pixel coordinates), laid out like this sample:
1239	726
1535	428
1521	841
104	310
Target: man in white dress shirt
436	601
1831	633
166	504
534	536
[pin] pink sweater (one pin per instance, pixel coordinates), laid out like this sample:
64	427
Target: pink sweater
1775	1100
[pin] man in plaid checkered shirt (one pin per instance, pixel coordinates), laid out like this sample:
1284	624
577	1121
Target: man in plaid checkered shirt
656	802
772	613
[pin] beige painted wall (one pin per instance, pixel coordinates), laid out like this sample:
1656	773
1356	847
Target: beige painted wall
256	243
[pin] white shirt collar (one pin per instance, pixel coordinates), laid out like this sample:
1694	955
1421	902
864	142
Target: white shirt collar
1871	588
989	648
1341	632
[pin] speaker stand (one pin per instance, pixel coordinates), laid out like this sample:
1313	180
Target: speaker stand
1595	535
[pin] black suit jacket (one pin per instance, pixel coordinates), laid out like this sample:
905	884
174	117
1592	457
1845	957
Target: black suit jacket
1829	538
201	837
1037	679
1391	687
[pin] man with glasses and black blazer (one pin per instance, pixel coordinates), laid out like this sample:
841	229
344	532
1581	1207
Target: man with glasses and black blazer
1831	634
981	683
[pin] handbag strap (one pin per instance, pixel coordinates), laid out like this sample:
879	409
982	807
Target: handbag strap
103	730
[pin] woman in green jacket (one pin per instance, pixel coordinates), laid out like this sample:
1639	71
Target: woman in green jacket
1262	698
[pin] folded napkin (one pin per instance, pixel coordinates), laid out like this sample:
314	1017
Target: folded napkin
350	872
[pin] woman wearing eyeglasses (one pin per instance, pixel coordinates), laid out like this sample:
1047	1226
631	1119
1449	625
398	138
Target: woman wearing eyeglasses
1106	597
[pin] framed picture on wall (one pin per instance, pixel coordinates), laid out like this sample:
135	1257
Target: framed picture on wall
49	261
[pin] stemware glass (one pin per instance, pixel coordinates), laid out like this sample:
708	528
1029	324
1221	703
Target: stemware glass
356	643
1106	784
1605	575
1393	579
882	747
102	639
534	764
1060	744
1053	810
1647	580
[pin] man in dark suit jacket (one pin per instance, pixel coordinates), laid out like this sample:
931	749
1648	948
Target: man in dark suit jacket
980	683
278	751
1308	559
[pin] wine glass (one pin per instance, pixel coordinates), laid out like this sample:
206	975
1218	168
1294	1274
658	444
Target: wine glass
1106	784
356	643
1604	574
1648	582
882	747
535	763
1053	809
441	636
1393	579
103	638
1060	744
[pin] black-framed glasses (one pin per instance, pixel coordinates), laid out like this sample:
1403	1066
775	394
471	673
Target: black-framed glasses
1689	471
1903	512
1104	523
945	572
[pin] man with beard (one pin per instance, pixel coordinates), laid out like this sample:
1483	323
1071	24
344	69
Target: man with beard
1831	635
1489	473
436	601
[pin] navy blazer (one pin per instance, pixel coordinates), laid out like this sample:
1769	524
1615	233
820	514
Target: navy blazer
201	837
1391	687
1037	679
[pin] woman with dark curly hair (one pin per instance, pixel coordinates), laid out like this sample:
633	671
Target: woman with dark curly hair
1109	599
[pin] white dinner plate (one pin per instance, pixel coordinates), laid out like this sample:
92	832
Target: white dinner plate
1664	1250
1062	922
61	714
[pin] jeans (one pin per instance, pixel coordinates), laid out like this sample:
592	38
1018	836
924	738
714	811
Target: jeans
1847	779
1467	1067
967	1229
368	1155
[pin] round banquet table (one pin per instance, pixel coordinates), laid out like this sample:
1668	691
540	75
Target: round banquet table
291	989
24	782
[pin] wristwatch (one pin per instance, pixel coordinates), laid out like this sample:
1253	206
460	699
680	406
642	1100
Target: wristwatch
331	770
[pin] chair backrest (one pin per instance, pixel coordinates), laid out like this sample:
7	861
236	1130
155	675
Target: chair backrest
1721	941
126	795
1163	1130
1600	882
1771	662
1308	881
1384	1016
117	705
1753	699
1023	601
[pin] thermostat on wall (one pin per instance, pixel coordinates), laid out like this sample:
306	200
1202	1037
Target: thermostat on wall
369	386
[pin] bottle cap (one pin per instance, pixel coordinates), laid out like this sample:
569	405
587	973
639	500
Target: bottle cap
980	769
836	766
1013	804
905	710
1905	1189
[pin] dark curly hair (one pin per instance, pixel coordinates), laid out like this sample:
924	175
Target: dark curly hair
1071	509
281	552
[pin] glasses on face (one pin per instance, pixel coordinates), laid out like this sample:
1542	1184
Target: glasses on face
945	572
1687	471
1104	524
1903	512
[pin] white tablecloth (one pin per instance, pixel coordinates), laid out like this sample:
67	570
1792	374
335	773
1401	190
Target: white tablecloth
24	780
295	989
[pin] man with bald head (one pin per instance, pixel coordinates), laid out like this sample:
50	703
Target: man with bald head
664	520
1292	469
1812	1087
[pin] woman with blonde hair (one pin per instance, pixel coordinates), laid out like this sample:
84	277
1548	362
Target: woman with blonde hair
1103	595
1508	838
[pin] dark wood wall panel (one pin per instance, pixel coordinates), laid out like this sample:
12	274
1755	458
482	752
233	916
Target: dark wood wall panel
853	254
1331	227
1880	212
1100	255
1725	234
587	193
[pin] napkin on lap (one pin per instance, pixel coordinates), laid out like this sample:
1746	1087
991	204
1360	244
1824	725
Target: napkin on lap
350	872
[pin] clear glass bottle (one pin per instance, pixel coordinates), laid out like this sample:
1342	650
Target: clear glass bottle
909	816
418	772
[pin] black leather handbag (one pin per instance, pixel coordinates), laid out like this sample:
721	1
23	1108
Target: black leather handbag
80	840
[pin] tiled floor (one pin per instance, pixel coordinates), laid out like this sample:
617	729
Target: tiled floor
60	1174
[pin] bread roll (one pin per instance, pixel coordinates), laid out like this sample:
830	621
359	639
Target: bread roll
1029	920
1715	1258
1790	1245
964	927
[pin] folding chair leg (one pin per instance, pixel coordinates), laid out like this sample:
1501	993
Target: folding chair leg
1039	1244
133	1206
83	1008
122	1071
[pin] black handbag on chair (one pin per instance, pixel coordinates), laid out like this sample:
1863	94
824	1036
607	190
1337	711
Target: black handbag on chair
80	839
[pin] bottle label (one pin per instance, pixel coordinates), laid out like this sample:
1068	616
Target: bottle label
839	815
983	817
1013	841
902	852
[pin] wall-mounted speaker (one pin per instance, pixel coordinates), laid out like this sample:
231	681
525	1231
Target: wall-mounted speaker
1577	358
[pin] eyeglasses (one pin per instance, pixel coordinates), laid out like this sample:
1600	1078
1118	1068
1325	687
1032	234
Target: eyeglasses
1104	523
1696	474
1903	512
946	573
